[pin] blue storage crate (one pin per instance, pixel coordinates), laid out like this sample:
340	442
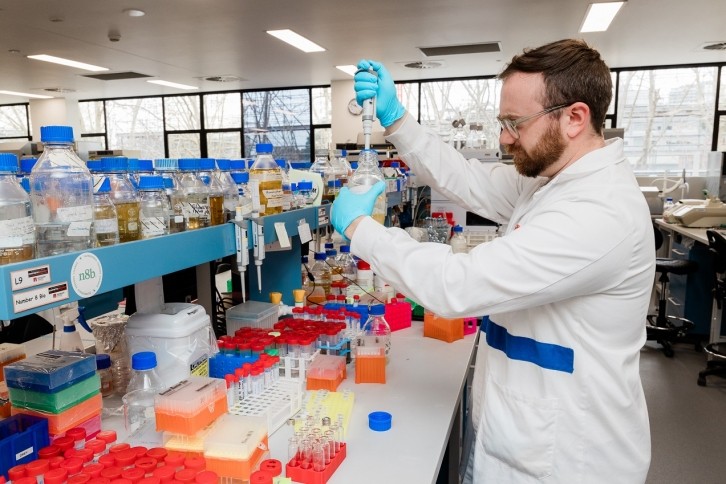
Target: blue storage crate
21	436
50	371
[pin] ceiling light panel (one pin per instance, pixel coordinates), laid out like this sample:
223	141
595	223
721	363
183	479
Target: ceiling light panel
599	16
172	84
67	62
24	94
296	40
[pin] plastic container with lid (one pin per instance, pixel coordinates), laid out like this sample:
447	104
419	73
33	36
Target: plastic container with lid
155	208
190	405
105	215
50	371
251	314
181	336
17	232
124	197
266	182
230	455
61	194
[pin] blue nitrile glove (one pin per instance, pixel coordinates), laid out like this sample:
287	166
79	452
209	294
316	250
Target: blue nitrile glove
349	205
368	85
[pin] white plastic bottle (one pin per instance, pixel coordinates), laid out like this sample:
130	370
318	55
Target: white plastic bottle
458	241
17	233
365	176
70	340
61	194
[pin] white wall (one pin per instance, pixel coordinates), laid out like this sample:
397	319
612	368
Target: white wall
344	125
57	111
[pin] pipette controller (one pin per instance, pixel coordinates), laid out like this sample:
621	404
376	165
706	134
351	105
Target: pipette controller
369	112
258	239
243	254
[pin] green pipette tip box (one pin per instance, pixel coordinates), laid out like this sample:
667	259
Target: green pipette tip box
56	402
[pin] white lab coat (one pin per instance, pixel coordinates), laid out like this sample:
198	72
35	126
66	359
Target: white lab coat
557	395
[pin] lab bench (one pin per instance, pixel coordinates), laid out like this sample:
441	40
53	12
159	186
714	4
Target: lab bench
690	294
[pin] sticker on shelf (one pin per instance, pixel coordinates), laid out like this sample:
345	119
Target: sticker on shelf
23	301
86	274
30	277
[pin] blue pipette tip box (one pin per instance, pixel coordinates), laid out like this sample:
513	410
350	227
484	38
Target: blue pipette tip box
50	371
379	421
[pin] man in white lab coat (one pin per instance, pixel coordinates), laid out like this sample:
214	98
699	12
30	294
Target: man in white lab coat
557	394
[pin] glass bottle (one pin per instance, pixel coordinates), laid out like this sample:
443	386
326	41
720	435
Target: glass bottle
139	168
266	181
244	199
192	195
61	194
144	385
365	176
103	369
305	187
347	264
105	217
343	168
331	258
17	232
124	198
215	191
26	166
376	332
231	192
286	186
458	241
320	285
168	168
155	209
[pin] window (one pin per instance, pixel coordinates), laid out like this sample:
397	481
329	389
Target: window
136	124
280	117
222	111
668	117
445	103
14	122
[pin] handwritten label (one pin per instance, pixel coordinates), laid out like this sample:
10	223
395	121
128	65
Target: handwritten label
33	276
23	301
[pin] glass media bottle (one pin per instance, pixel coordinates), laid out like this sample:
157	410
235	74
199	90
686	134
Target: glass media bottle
105	217
376	332
124	197
154	215
365	176
192	195
266	181
61	194
17	233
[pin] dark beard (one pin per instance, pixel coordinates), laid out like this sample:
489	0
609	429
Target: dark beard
546	153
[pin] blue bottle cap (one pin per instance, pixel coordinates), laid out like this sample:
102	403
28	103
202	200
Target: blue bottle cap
168	183
304	259
377	310
25	183
379	421
343	153
103	362
136	165
458	228
263	148
354	164
8	162
320	256
331	183
188	164
144	360
223	164
395	164
338	183
95	166
241	177
329	245
27	164
237	164
305	185
56	134
151	182
118	163
345	249
206	164
280	163
166	164
330	252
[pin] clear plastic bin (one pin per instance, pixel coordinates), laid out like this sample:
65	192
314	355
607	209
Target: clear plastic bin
236	445
251	314
50	371
190	405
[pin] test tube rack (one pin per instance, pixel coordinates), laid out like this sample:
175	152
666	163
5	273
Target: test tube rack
311	476
322	403
295	369
277	403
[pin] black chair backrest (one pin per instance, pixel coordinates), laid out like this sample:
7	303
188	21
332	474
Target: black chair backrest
717	247
658	237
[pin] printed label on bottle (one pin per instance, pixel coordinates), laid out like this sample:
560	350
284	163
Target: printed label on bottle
106	226
274	197
79	229
179	219
81	213
192	209
152	226
17	232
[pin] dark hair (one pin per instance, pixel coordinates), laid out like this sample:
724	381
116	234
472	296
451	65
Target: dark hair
573	71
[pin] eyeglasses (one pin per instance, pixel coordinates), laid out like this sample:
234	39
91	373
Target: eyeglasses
511	124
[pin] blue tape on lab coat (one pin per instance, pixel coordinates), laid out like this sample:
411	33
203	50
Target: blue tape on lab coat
545	355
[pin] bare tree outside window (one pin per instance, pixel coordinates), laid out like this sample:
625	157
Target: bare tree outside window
92	120
136	124
14	121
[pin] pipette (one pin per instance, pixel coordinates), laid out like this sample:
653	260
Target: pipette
369	111
258	239
243	254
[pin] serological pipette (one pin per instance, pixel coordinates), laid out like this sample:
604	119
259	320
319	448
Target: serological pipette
243	254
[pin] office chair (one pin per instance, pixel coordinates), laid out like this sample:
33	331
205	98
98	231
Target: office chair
661	327
716	352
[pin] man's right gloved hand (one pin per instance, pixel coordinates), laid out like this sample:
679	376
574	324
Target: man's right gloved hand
367	85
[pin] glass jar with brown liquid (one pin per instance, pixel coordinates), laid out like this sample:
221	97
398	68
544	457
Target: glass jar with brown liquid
17	232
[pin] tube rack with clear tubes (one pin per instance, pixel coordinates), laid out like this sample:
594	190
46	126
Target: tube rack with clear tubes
337	406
